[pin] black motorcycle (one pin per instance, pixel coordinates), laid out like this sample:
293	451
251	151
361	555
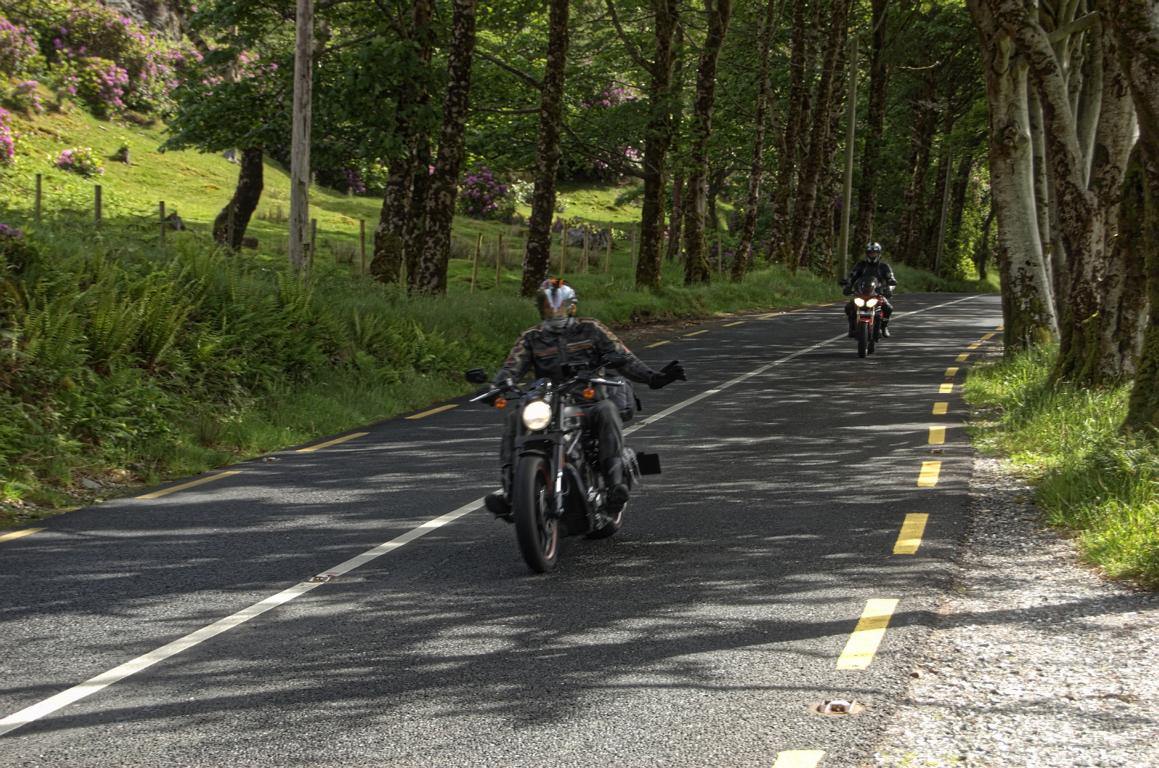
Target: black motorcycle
557	489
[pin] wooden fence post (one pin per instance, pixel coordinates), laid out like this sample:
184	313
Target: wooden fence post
587	249
475	263
36	202
161	213
313	241
719	253
362	246
97	202
635	253
499	259
608	251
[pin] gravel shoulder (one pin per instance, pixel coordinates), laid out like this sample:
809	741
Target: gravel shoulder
1035	660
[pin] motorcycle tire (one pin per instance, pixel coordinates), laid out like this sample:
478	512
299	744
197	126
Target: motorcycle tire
862	339
536	532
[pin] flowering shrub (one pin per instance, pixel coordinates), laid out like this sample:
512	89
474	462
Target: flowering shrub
26	98
17	47
80	160
7	139
484	196
354	181
85	41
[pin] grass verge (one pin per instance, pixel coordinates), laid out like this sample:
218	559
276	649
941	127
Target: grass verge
1090	479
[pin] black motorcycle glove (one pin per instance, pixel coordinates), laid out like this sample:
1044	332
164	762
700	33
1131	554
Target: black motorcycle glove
666	375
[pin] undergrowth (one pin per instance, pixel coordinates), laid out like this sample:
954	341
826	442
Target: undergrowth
1090	478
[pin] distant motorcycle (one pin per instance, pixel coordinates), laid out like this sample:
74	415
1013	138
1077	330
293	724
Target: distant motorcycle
557	488
868	302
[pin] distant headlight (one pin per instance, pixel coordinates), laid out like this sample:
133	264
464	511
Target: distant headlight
536	415
859	301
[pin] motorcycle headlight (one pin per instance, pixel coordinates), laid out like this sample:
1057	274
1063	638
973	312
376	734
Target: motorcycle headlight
859	301
536	415
871	303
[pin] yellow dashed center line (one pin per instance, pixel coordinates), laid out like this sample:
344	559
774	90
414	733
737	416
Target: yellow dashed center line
911	534
928	477
799	758
190	484
941	409
733	325
963	357
433	411
335	441
11	535
945	389
937	435
658	344
697	333
951	372
866	638
988	336
975	345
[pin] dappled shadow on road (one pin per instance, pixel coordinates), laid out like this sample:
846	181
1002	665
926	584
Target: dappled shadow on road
753	554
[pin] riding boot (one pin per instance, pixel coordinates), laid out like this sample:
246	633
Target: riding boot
617	486
498	503
885	327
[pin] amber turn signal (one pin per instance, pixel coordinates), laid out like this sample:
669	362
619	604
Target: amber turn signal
500	403
589	394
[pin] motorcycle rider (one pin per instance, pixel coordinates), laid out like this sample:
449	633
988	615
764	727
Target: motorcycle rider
871	266
560	340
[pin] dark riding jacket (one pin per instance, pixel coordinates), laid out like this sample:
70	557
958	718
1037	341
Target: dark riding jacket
866	268
584	344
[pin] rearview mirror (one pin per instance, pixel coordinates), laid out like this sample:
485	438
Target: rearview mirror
476	376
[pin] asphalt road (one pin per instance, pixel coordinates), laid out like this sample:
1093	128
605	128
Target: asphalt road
700	635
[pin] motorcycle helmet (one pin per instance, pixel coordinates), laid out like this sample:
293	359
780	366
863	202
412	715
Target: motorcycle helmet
873	252
556	302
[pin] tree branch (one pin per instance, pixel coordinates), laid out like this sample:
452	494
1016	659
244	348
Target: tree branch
633	49
518	73
1081	24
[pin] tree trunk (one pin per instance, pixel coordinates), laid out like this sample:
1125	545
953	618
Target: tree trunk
432	277
874	130
537	260
1125	284
416	227
676	221
743	256
1082	212
921	136
390	236
958	198
1137	32
799	65
1055	255
300	136
230	225
696	268
819	143
657	139
1027	308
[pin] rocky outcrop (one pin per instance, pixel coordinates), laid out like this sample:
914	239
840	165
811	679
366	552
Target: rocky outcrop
164	15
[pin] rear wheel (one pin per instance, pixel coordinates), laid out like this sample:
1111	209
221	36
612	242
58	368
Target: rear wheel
535	529
862	338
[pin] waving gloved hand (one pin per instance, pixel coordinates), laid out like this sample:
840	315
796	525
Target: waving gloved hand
668	374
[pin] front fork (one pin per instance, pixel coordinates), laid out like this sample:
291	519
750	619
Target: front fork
560	458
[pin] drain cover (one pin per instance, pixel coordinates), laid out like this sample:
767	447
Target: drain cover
838	707
323	578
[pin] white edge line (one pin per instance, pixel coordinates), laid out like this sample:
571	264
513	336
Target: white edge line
105	679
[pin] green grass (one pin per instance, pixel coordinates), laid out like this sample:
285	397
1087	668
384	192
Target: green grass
256	364
1090	479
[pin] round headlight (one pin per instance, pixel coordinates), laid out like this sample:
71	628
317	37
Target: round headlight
871	303
536	415
859	301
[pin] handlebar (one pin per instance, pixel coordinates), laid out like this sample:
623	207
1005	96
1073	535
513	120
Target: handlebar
512	388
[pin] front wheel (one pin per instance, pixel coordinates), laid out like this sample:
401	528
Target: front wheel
535	529
862	338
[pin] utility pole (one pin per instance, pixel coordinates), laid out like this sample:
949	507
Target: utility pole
850	136
300	136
